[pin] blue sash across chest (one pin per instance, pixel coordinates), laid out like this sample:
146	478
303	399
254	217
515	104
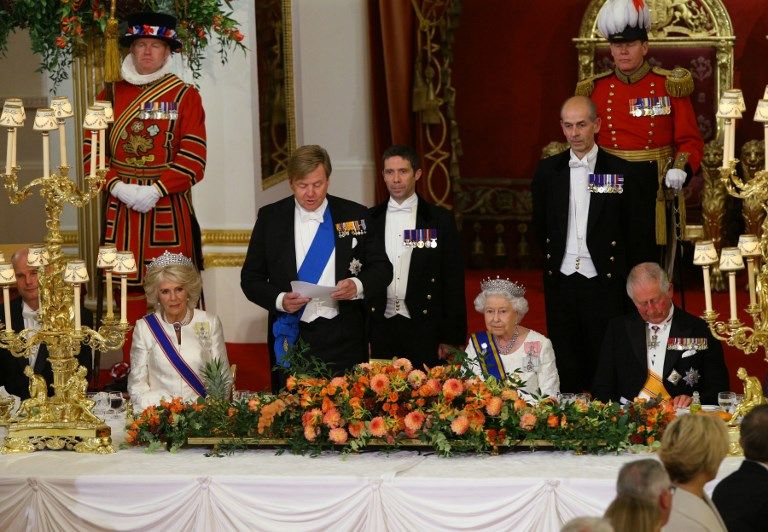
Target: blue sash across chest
286	326
173	356
488	354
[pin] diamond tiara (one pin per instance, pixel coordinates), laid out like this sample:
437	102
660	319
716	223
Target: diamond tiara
502	285
169	259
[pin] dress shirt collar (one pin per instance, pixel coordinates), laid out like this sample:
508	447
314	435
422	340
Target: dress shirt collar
27	313
588	161
664	324
316	215
407	205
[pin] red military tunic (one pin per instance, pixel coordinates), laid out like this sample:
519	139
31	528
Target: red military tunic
165	151
615	95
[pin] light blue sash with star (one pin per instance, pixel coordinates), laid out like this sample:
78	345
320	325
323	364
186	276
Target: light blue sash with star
286	326
488	354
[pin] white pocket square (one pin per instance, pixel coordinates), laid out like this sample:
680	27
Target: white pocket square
354	242
689	353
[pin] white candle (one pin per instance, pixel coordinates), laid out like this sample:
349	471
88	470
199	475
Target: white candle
110	313
7	308
77	307
123	298
732	293
102	149
9	149
733	141
14	136
707	290
751	277
94	152
765	142
46	156
62	145
728	123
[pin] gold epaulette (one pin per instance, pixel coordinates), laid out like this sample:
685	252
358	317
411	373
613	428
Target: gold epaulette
679	81
587	85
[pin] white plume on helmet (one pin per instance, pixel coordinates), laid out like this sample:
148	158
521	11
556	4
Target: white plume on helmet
616	15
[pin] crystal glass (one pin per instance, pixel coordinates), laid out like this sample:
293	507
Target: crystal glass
116	403
726	400
100	402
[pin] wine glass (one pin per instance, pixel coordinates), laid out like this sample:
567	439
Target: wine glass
726	400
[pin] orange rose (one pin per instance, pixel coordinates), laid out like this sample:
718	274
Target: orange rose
338	436
356	428
378	427
493	408
520	404
460	424
414	420
528	421
452	388
380	383
553	421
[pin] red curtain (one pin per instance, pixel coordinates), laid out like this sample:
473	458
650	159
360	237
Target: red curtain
392	43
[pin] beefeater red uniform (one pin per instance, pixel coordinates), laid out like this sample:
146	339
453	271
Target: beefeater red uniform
647	117
615	92
165	151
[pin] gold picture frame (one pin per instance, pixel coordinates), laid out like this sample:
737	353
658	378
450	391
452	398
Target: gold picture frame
277	112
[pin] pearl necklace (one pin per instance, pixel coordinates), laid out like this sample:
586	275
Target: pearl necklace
507	349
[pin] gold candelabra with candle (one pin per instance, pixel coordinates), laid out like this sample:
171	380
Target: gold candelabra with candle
751	249
63	420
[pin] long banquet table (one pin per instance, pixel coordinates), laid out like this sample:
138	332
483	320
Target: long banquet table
259	490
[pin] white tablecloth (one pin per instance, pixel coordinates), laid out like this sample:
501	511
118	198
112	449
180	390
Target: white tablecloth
257	490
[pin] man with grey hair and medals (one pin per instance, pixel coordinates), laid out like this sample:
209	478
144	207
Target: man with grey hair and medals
579	216
660	350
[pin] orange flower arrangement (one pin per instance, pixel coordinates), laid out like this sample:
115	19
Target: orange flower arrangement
394	404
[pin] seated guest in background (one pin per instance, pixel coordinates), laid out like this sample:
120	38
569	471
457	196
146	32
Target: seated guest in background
172	345
628	513
648	480
660	350
24	311
742	497
692	448
508	348
582	231
587	524
424	311
320	239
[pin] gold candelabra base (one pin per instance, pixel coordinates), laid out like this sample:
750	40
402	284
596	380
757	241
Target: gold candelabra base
27	437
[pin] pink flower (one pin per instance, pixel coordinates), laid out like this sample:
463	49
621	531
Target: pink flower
494	406
452	388
527	421
338	436
378	427
364	365
460	424
380	383
414	420
338	382
332	418
416	378
403	364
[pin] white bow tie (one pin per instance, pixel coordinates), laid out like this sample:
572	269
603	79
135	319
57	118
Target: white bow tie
29	314
399	208
314	215
575	163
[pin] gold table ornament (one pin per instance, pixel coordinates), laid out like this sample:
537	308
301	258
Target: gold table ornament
63	420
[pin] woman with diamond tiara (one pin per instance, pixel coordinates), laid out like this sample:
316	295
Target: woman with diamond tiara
506	347
172	345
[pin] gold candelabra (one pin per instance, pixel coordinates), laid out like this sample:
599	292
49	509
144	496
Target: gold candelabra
63	420
751	248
